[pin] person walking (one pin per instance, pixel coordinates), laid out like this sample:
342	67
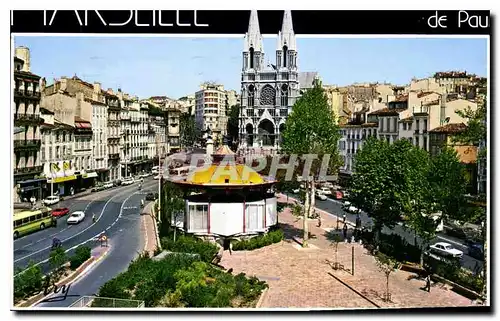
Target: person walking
93	218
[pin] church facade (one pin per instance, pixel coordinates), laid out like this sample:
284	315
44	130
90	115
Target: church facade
268	91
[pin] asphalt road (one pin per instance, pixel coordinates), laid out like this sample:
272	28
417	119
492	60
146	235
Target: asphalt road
125	241
106	205
334	207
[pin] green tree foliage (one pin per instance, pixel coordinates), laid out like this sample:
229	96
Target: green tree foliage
81	255
476	130
172	206
233	122
312	129
57	258
189	132
28	282
400	181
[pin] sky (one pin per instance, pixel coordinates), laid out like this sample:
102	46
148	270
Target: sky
175	67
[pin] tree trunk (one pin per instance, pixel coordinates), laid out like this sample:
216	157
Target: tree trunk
387	286
336	252
313	198
306	211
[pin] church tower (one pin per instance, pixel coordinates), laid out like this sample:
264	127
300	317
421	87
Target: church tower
268	91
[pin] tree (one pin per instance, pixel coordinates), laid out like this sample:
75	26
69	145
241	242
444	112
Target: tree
448	184
57	259
387	265
174	207
189	132
233	123
311	129
476	130
336	239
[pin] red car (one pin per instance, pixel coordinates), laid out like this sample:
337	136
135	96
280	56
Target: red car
60	212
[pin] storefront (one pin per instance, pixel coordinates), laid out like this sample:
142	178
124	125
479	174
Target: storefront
30	188
60	178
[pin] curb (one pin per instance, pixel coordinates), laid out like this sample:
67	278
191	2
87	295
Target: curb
320	210
261	299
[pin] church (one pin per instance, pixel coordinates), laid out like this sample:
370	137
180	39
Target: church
269	91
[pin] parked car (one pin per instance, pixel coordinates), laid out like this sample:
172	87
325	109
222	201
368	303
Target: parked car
97	188
150	197
157	177
51	200
337	195
296	191
128	181
58	212
144	175
445	249
321	196
349	208
328	185
325	191
108	185
76	217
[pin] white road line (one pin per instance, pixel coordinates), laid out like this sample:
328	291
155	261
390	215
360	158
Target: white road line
451	241
69	238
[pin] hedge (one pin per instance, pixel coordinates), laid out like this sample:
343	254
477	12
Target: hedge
258	241
81	255
191	244
451	270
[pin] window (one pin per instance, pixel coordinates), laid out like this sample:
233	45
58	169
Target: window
417	143
409	126
417	125
284	95
251	96
254	218
425	143
285	54
198	217
251	57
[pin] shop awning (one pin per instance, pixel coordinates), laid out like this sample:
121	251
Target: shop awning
61	179
31	181
90	175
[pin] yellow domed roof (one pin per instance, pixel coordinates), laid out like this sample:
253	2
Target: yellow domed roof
225	174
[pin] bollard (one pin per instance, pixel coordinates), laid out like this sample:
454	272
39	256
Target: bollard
352	262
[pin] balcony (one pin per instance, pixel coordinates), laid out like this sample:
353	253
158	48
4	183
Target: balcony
26	119
27	144
26	93
114	156
421	110
28	170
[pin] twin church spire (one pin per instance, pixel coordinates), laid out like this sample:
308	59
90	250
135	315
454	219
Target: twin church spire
286	45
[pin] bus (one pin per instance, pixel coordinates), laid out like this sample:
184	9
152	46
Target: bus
27	221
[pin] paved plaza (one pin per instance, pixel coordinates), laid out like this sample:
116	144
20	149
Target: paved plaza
300	277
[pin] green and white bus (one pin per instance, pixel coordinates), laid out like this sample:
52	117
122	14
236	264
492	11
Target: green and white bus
27	221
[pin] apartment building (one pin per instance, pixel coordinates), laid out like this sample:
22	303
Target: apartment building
173	130
57	155
157	139
100	138
188	104
114	135
125	142
27	166
210	109
86	175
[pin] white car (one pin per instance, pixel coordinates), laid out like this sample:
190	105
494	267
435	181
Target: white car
325	191
296	191
51	200
321	196
157	177
445	249
128	181
76	217
108	184
328	185
350	208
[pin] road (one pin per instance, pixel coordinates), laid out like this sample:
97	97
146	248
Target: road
334	207
106	205
125	241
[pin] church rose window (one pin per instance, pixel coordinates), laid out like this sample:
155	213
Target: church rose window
268	96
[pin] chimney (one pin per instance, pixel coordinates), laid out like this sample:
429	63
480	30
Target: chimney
24	54
110	91
97	87
64	84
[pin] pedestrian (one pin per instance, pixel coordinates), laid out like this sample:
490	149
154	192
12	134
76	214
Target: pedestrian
428	283
93	217
345	231
344	218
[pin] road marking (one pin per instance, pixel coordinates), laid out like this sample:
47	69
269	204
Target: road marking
73	236
130	208
451	241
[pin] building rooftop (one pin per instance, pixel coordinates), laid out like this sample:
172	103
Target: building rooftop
452	128
388	112
407	120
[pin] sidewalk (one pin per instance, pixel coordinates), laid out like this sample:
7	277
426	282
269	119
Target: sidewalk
299	277
148	229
